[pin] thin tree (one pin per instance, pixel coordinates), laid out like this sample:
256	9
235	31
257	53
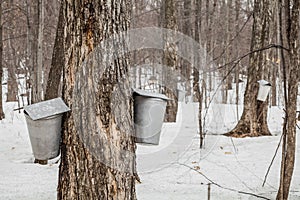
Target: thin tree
38	95
289	130
1	67
97	150
55	74
170	59
254	118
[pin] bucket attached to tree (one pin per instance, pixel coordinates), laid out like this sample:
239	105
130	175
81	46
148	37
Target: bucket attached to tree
149	112
181	95
263	91
44	127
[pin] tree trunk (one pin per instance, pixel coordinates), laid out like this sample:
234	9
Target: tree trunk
12	85
237	70
198	95
33	39
289	146
254	118
1	67
57	63
186	68
97	150
170	59
38	95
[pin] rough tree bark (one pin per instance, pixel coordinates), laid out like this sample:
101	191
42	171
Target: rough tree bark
254	118
1	67
169	58
289	146
97	150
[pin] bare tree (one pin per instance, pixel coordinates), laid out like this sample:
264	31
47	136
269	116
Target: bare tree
55	74
289	130
38	95
98	151
1	67
170	59
254	118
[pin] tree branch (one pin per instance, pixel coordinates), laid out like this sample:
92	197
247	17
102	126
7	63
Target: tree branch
225	188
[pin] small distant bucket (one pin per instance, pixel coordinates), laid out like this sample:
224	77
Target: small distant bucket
45	136
181	95
149	112
44	127
263	91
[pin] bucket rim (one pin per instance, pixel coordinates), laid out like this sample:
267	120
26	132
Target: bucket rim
145	93
46	118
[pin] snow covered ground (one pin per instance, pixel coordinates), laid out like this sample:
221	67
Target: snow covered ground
176	169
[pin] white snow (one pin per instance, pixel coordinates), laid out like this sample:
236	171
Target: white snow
175	169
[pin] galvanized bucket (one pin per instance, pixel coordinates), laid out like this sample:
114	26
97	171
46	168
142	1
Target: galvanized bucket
45	136
180	95
44	127
263	91
149	111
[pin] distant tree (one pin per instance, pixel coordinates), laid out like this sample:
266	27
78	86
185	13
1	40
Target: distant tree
101	114
1	67
254	118
38	94
170	60
58	60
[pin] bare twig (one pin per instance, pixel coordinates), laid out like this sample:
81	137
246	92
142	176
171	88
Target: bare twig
269	168
225	188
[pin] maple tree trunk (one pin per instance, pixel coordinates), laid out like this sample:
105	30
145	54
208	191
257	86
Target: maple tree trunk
254	118
97	150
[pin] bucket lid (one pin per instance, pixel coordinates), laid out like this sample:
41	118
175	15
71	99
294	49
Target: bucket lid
46	109
150	94
264	82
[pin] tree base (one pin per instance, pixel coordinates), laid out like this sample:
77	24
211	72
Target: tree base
2	115
237	135
243	130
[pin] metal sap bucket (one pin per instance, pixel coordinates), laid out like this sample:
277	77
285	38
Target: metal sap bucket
149	112
181	95
263	91
45	136
44	127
